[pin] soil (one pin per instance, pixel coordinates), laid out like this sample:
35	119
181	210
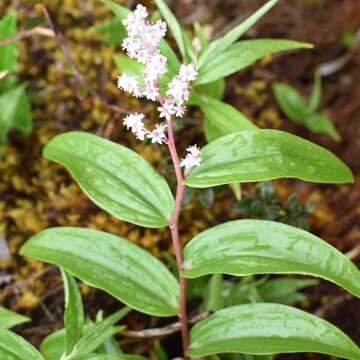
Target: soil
35	194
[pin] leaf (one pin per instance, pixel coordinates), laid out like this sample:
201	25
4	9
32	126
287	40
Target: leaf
201	35
14	347
74	312
315	97
16	112
8	53
53	346
321	124
249	247
9	319
259	155
267	329
242	54
214	89
112	357
113	29
291	102
220	45
116	178
174	26
128	66
284	290
128	272
213	299
97	334
224	117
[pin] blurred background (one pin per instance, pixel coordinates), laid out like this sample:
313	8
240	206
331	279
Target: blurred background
69	77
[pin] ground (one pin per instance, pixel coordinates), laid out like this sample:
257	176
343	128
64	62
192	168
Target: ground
36	194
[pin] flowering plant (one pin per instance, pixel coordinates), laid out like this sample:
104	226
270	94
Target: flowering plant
124	184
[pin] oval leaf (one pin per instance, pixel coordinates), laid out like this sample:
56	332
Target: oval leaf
116	178
291	102
247	247
258	155
128	272
243	54
266	329
14	347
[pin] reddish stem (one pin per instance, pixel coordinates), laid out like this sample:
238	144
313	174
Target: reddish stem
174	229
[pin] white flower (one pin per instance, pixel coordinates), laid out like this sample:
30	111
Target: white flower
134	121
188	72
166	110
178	90
179	110
158	135
129	83
193	158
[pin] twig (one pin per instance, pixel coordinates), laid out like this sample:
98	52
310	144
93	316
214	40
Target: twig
78	75
354	253
166	330
323	310
38	30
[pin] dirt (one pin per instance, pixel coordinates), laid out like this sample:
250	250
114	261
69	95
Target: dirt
35	194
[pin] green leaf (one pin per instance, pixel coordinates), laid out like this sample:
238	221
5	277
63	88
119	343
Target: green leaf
116	178
224	117
259	155
291	102
201	35
266	329
315	97
284	290
14	347
112	357
243	54
213	299
174	26
249	247
321	124
113	29
9	319
16	112
97	334
128	272
214	89
9	52
128	65
74	312
220	45
53	346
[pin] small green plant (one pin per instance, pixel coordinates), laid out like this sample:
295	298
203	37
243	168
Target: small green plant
128	187
303	112
14	103
263	204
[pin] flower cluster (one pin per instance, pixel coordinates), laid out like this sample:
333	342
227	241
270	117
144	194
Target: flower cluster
191	159
142	44
178	92
134	122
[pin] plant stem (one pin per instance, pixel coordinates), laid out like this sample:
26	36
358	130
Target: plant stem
174	229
